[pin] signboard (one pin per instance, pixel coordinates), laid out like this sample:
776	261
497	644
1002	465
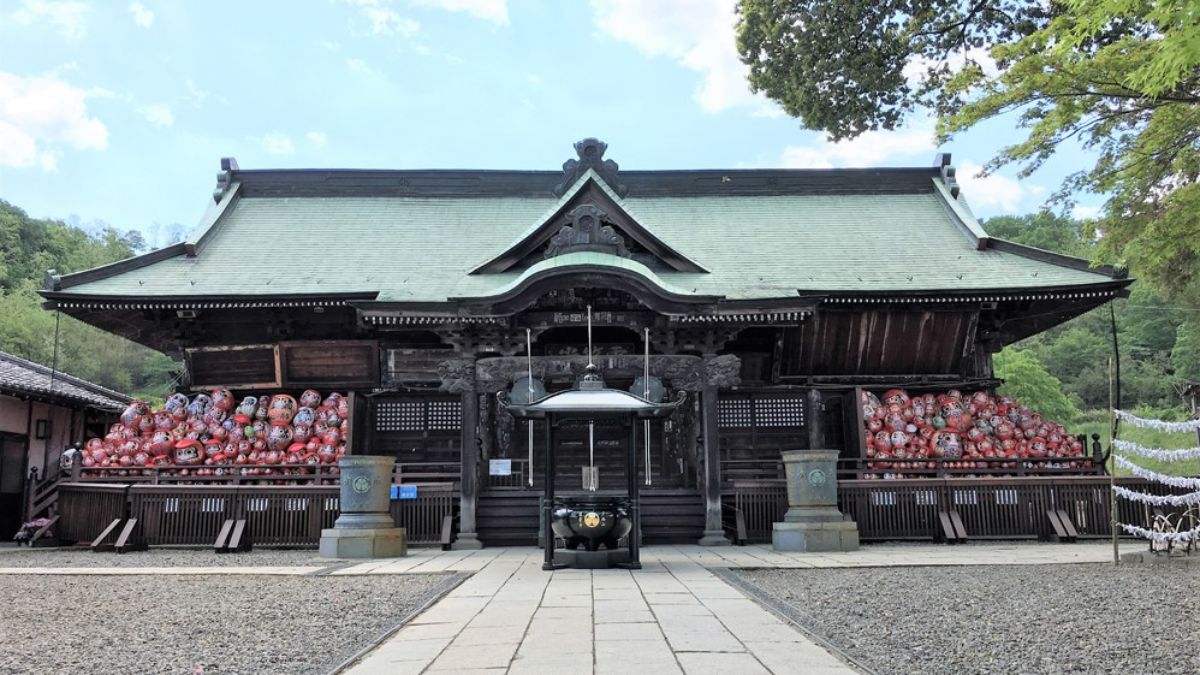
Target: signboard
500	467
404	492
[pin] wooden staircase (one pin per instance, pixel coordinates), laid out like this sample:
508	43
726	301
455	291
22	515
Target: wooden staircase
669	516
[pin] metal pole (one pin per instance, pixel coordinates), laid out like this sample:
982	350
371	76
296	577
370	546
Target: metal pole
646	395
529	358
548	503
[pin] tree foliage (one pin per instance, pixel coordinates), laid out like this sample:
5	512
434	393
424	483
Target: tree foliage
29	247
1028	381
1158	340
1121	78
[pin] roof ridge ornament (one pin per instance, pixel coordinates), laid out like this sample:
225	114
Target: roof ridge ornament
586	231
591	156
225	178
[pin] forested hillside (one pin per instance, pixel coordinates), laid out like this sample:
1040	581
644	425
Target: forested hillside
29	247
1159	341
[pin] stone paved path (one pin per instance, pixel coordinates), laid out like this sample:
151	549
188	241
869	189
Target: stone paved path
673	616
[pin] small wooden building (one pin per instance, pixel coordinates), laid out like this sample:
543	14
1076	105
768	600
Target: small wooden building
43	412
418	290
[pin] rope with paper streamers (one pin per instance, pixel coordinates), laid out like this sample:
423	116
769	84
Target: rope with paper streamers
1173	481
1189	499
1178	537
1158	454
1160	425
1165	531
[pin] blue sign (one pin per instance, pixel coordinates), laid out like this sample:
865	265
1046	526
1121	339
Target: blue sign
404	492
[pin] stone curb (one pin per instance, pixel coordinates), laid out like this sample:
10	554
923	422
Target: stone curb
788	614
442	590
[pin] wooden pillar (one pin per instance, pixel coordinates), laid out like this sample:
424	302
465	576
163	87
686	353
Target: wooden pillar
469	480
714	533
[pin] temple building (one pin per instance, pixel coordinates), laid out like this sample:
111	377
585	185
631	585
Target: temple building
419	291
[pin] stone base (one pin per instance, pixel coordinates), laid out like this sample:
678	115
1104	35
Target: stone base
838	535
382	542
580	559
466	541
1161	558
714	538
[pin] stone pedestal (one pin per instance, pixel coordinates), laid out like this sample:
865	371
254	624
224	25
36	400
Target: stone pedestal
364	527
812	522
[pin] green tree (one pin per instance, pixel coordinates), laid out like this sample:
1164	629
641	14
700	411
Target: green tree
1045	230
1026	379
1119	77
1185	355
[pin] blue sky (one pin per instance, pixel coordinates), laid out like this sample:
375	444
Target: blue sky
119	111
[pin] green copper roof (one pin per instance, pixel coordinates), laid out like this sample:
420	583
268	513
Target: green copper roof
424	248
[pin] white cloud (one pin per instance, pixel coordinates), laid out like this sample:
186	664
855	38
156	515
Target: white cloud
66	15
158	114
495	11
275	143
993	192
41	115
1085	212
383	19
317	138
141	15
363	69
699	34
872	148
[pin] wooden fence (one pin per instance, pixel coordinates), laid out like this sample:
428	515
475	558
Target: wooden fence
276	515
989	508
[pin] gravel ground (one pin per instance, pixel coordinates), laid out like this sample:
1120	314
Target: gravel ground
1000	619
198	624
159	557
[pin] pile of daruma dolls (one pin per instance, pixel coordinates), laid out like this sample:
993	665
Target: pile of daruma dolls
214	435
965	432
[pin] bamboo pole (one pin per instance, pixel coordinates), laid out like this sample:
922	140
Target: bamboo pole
1112	468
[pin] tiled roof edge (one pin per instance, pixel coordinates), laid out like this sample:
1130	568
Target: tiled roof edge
100	391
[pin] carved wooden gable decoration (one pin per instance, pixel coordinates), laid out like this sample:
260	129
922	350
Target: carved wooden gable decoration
590	217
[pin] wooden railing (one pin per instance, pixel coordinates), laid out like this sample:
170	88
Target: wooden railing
281	474
276	515
41	496
85	509
990	508
887	469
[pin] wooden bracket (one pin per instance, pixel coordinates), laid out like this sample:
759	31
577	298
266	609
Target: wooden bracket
447	531
101	543
233	537
1064	529
127	541
953	529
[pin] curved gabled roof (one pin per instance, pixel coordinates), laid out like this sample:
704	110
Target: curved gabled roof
420	236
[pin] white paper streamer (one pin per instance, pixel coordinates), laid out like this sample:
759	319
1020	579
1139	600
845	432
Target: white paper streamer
1187	535
1160	425
1189	499
1173	481
1131	448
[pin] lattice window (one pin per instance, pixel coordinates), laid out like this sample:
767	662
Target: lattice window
733	413
400	416
418	416
445	415
748	412
779	412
